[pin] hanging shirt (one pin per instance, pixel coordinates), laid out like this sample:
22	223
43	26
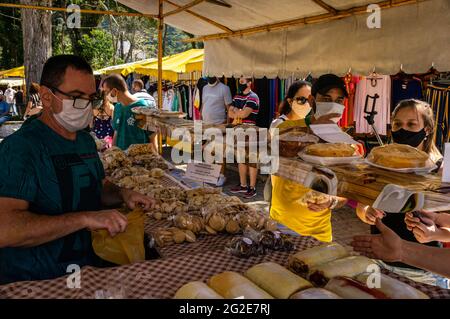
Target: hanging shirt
404	89
287	208
381	85
126	126
250	100
215	100
55	176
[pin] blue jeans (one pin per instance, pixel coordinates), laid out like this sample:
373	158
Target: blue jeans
4	119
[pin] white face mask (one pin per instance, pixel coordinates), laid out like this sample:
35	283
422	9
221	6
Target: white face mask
301	110
74	119
324	108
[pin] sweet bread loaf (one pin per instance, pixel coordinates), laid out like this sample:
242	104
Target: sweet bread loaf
330	150
196	290
276	280
303	262
346	267
232	285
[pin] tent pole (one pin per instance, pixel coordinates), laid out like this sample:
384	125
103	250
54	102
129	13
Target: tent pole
160	57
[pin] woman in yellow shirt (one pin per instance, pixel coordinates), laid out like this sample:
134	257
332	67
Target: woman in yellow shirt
287	206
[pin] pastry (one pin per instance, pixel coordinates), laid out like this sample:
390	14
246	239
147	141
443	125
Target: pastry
293	141
330	150
398	156
348	267
232	285
302	262
315	293
349	288
394	288
276	280
196	290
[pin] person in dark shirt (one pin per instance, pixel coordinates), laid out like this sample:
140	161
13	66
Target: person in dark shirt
20	102
412	124
244	110
53	190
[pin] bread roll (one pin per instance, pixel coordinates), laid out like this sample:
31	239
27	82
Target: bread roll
348	267
232	285
330	150
394	288
315	293
349	288
302	262
276	280
398	156
196	290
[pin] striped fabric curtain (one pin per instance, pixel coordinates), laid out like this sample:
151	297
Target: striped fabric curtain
438	96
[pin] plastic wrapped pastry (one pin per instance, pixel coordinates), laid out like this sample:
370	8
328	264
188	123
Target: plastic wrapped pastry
302	262
315	293
349	288
232	285
196	290
292	142
348	267
394	288
276	280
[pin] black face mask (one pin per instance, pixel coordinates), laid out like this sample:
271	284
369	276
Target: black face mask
242	87
409	138
212	80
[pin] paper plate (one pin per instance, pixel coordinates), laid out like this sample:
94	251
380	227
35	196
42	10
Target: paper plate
421	170
329	160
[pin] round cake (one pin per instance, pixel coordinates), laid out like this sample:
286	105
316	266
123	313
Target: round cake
330	150
398	156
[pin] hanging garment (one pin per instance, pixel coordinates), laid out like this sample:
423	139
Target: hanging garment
438	96
377	84
404	88
264	115
349	103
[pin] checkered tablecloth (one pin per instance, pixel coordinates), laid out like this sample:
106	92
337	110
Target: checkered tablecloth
163	277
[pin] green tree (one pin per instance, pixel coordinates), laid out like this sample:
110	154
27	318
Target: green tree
97	48
11	43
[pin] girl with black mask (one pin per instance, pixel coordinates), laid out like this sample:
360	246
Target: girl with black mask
412	124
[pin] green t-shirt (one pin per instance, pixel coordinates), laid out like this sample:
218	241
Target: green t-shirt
126	126
55	176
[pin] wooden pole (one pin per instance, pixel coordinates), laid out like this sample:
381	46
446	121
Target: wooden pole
207	20
85	11
160	52
304	21
183	8
160	57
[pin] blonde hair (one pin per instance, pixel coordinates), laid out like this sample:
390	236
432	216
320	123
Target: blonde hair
425	110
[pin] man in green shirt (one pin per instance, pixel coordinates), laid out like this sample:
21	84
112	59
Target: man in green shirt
127	131
52	182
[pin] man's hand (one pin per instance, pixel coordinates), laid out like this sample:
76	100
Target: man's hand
111	220
326	119
134	199
387	246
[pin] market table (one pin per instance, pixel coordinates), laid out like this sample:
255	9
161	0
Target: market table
161	278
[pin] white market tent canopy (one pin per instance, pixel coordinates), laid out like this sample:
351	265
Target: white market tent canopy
278	38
